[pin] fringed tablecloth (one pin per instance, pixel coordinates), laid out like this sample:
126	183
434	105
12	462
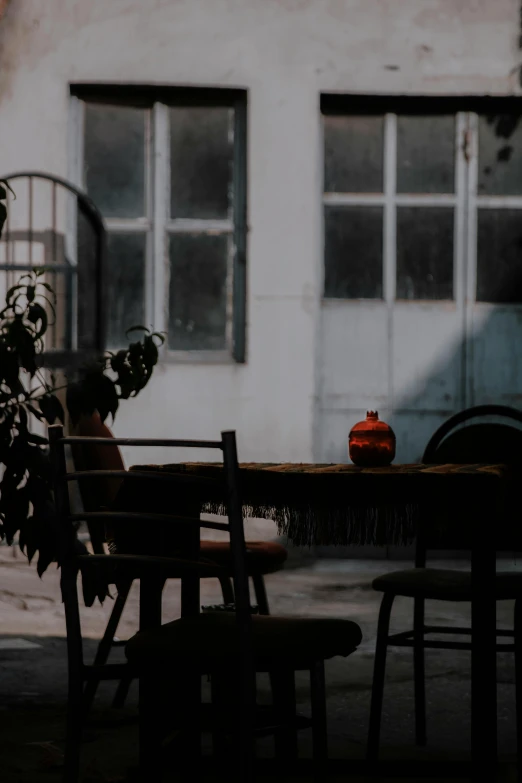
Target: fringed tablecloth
316	505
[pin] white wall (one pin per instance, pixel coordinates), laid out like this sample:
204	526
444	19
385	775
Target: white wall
285	52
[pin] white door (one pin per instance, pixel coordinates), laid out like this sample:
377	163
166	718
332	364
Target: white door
423	243
494	318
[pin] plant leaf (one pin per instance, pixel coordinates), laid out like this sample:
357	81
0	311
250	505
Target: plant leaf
9	188
3	216
21	340
38	440
51	408
35	314
137	328
99	391
12	291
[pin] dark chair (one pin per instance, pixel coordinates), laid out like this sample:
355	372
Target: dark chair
263	557
229	647
483	442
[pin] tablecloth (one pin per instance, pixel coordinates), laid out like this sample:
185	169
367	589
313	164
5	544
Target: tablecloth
336	504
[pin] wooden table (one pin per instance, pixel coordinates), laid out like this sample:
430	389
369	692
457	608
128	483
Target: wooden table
345	505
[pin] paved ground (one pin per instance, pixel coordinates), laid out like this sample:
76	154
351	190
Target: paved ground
33	671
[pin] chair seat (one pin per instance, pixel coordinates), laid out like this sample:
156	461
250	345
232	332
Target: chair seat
444	584
214	636
263	557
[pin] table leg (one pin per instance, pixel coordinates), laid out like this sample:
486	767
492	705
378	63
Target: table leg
151	590
190	596
483	650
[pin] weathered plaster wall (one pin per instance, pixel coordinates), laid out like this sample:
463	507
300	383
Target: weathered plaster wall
285	52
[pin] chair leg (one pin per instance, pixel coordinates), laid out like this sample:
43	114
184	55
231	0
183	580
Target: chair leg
150	615
418	671
105	644
73	736
379	669
150	725
227	589
283	695
219	717
190	702
246	717
122	691
518	683
319	725
75	710
260	592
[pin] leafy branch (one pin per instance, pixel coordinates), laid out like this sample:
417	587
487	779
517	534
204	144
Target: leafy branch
4	187
27	390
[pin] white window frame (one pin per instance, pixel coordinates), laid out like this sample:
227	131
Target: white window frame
476	202
389	200
157	225
465	200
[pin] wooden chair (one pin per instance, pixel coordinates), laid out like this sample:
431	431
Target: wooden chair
263	557
482	442
230	647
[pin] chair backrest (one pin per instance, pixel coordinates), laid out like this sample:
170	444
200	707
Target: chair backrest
228	487
100	494
482	442
459	442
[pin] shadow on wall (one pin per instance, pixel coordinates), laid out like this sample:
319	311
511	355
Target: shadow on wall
485	366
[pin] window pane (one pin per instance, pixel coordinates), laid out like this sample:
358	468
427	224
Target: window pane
426	154
424	253
126	286
353	252
499	256
500	155
198	291
353	154
115	159
201	156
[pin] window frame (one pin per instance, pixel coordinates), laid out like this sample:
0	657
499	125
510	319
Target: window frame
465	200
157	223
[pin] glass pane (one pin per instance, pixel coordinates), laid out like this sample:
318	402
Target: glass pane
500	155
424	253
115	159
198	291
126	286
426	154
499	256
201	156
353	252
353	154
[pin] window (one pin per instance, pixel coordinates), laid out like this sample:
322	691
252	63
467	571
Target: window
422	200
167	170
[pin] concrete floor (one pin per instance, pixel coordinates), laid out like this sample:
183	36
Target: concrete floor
33	672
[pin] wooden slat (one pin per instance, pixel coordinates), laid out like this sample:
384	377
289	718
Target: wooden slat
138	474
196	444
